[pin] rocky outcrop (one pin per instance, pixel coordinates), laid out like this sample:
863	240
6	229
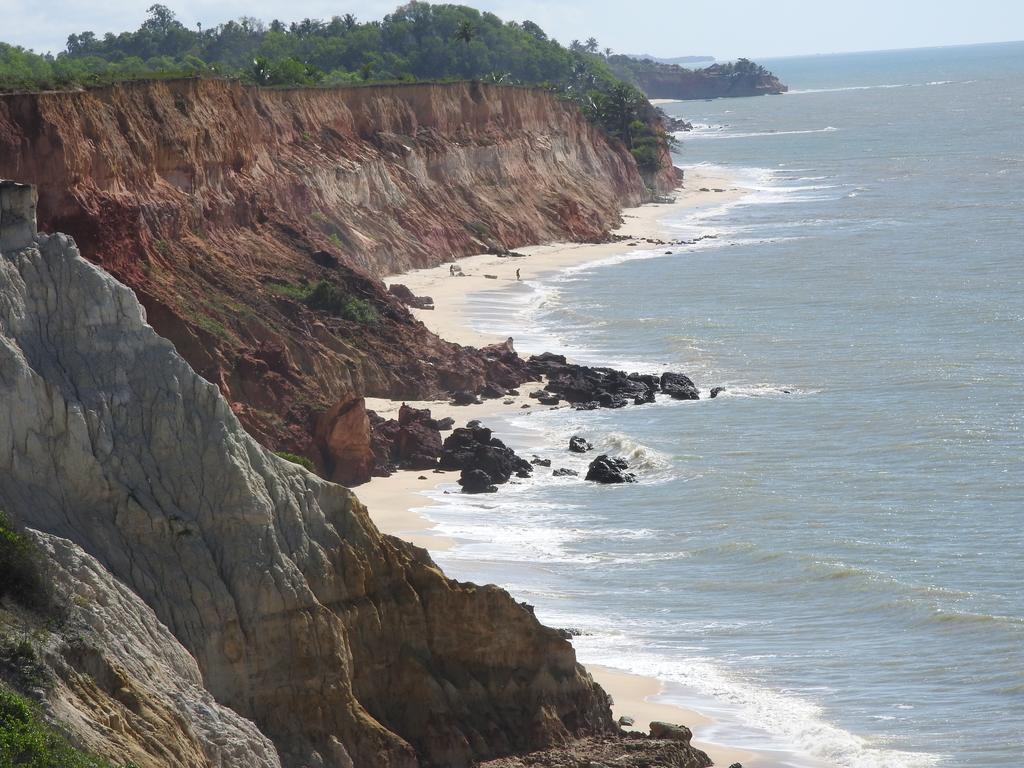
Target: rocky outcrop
588	388
343	437
223	205
343	646
631	750
123	685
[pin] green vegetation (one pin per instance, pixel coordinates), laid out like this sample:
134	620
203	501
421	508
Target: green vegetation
290	290
327	297
22	576
417	42
294	458
27	741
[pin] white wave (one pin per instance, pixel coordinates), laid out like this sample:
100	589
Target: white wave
746	714
802	91
641	458
884	86
758	134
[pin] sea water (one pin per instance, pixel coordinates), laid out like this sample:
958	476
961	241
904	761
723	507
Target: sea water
829	557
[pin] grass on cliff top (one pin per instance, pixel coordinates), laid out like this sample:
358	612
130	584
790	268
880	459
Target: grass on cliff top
27	741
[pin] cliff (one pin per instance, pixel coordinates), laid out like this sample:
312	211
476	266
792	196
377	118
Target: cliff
307	627
221	206
669	81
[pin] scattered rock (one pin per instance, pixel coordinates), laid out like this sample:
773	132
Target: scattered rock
578	445
716	392
626	720
539	462
608	470
565	472
445	424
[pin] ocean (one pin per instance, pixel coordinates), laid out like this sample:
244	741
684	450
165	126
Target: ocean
828	559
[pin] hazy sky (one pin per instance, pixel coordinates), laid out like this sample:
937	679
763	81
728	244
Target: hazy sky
721	28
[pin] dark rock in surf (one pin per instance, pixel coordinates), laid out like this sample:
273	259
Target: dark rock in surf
608	470
716	392
578	445
476	481
565	472
679	386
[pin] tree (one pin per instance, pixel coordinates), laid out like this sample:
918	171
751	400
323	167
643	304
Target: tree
161	20
465	32
591	45
349	21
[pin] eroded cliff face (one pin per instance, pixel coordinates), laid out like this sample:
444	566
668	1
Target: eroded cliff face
343	646
220	205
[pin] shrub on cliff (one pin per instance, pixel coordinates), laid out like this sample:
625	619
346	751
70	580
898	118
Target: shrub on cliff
26	741
294	458
21	570
327	297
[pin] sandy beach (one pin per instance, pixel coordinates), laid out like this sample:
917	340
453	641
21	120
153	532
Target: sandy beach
394	501
450	294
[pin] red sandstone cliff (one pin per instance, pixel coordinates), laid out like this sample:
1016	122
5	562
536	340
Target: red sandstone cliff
217	203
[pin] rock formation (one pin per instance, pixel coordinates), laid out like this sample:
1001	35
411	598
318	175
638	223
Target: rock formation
124	686
223	205
343	646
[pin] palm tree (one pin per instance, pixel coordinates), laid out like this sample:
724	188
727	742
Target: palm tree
465	32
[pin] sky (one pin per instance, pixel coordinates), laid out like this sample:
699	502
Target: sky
724	29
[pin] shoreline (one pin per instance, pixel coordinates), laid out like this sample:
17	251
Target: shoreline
395	503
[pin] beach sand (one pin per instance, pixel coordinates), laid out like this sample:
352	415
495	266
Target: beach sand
393	502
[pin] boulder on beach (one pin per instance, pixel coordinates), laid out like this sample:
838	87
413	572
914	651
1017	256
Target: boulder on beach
671	732
716	392
465	398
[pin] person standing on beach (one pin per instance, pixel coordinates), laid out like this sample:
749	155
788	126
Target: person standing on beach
517	274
